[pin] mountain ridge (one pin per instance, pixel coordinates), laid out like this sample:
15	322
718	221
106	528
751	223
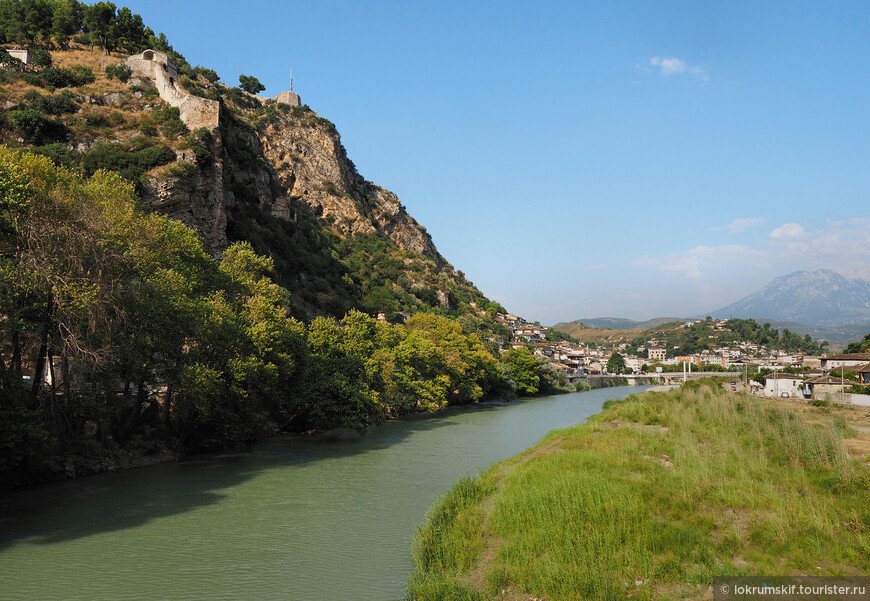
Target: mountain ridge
817	299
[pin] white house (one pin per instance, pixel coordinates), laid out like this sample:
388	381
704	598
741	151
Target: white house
781	385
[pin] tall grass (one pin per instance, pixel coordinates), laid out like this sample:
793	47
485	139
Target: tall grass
660	492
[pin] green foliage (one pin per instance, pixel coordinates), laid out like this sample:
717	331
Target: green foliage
322	122
250	84
60	154
130	164
201	142
702	336
66	78
40	58
148	92
240	99
35	128
56	104
24	437
524	370
209	74
660	492
862	346
121	71
554	335
616	364
156	333
182	169
165	120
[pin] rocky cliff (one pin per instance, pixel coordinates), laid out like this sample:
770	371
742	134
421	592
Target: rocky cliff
313	169
235	166
276	174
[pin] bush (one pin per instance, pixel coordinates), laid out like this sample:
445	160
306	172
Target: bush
209	74
32	79
121	71
182	169
201	143
66	78
167	119
96	120
130	164
148	93
40	58
35	128
322	122
58	104
60	154
241	100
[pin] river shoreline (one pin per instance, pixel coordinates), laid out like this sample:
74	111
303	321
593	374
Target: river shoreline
292	517
90	457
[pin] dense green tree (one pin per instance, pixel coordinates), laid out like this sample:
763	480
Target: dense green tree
250	84
129	31
861	346
209	74
524	369
98	22
40	58
66	21
616	364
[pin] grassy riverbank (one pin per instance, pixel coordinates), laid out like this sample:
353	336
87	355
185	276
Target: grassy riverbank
655	497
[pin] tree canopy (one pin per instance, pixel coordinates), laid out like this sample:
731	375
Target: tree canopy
616	363
114	321
250	84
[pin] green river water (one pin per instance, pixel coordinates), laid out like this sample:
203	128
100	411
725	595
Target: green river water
292	518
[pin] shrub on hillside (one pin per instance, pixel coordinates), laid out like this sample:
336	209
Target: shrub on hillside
66	78
57	104
35	128
121	71
130	164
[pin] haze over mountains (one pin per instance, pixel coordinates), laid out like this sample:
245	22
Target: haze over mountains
818	299
823	303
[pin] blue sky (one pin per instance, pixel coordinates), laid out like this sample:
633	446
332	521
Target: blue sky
630	159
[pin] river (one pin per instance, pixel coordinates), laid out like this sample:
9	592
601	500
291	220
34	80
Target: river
292	518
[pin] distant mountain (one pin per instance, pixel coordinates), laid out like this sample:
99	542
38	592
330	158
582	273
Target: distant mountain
818	299
620	323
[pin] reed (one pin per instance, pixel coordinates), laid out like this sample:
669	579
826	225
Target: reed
653	498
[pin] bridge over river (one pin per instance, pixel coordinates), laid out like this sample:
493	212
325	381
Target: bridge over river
659	378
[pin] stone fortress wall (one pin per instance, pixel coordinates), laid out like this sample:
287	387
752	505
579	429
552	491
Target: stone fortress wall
195	112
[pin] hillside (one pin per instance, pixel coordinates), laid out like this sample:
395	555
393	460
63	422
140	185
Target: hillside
186	265
619	323
821	298
235	166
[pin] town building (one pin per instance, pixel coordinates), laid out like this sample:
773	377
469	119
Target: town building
780	385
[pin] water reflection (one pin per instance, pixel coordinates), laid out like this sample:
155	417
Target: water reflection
292	518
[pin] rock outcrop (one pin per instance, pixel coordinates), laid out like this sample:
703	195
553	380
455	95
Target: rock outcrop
289	161
313	168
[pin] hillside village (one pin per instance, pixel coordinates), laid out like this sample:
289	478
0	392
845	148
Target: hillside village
814	374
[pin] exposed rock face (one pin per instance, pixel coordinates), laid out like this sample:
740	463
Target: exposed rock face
197	200
313	169
296	160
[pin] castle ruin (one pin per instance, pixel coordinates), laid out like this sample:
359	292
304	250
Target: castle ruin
195	112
